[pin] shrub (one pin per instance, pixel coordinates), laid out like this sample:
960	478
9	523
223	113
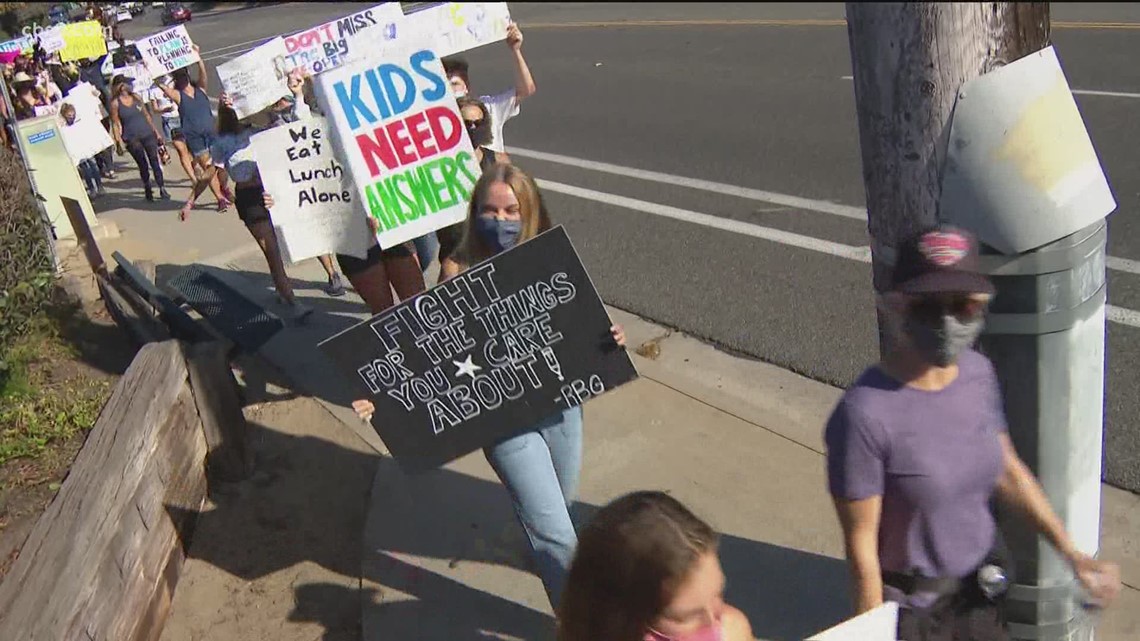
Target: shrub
26	271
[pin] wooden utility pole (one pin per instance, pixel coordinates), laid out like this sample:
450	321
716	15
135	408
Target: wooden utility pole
909	60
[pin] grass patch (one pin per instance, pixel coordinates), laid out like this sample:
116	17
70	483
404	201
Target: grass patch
44	396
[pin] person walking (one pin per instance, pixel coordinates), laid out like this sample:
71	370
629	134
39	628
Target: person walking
540	467
918	447
133	128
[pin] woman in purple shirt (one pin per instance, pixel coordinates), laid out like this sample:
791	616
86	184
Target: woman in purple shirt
917	448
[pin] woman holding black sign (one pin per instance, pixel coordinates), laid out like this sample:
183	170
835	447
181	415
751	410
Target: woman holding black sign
539	467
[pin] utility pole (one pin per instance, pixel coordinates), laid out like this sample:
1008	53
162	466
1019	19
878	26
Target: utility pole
909	62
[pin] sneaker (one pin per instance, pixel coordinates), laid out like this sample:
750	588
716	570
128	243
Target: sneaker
101	191
335	287
163	194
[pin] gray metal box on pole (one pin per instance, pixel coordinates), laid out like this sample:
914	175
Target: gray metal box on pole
1021	173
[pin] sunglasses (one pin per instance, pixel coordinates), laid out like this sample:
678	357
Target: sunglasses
961	306
471	124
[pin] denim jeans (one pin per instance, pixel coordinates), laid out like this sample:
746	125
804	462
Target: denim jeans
540	469
426	247
89	171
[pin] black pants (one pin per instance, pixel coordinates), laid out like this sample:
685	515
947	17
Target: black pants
967	616
145	152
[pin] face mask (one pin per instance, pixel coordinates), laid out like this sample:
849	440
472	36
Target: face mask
941	341
480	134
707	633
499	235
459	93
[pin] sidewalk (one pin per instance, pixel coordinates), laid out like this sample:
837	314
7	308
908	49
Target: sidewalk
738	440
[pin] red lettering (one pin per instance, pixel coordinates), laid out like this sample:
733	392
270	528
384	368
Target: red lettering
421	135
401	144
373	148
328	27
298	41
436	117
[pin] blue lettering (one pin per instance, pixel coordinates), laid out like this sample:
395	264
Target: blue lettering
438	87
378	93
351	103
400	103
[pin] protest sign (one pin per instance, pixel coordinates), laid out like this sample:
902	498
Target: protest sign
82	40
167	51
396	124
878	624
47	110
19	45
51	40
338	42
84	138
87	100
458	26
485	355
256	79
314	208
143	80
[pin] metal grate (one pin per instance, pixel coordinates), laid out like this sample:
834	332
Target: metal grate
228	311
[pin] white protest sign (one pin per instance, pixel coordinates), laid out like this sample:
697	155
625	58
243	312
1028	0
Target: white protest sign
51	40
256	79
167	51
879	624
314	209
47	110
144	80
84	138
338	42
395	122
87	100
459	26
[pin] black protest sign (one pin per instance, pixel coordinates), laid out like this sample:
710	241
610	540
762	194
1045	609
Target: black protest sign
485	355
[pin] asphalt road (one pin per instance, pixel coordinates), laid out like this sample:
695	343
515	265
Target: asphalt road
747	96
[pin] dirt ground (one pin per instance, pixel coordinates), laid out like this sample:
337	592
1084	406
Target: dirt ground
277	557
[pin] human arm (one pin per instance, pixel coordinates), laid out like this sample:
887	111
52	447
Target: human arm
116	126
1019	489
172	93
860	522
524	82
203	77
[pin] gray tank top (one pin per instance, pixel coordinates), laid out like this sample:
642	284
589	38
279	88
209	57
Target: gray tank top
134	122
196	114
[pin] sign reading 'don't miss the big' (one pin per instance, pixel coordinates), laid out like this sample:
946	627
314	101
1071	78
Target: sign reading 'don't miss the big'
485	355
396	124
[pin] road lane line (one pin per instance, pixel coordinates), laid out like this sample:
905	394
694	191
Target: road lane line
254	42
797	202
1114	314
861	254
822	206
1079	92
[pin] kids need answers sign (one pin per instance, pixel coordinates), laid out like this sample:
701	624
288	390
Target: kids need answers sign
397	126
485	355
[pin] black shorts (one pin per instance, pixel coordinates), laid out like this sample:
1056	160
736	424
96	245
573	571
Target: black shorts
351	265
250	203
449	238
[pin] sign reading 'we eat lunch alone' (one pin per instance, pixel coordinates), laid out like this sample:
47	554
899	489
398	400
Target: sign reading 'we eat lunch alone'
396	124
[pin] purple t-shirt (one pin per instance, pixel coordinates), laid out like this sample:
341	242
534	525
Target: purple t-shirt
934	457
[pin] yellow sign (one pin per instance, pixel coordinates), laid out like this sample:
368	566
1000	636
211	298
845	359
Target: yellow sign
82	40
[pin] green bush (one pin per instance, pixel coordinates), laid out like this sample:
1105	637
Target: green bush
26	274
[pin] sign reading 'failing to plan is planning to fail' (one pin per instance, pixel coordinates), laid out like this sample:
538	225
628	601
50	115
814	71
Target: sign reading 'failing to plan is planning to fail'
397	126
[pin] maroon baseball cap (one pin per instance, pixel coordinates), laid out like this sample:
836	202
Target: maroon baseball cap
943	259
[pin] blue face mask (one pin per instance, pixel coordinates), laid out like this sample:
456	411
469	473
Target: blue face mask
499	235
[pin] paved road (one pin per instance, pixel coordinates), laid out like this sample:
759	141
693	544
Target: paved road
749	98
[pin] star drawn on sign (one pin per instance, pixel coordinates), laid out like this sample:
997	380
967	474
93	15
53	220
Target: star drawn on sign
466	367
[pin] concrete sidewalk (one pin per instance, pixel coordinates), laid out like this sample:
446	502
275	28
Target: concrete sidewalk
737	440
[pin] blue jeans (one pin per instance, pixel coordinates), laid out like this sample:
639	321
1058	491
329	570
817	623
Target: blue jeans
540	470
426	247
89	171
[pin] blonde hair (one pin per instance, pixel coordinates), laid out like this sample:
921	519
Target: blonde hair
532	211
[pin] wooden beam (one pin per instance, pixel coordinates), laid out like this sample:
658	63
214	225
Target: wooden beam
98	563
219	406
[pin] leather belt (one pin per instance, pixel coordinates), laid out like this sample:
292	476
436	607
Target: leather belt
911	584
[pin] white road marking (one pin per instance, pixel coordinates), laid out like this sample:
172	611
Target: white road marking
822	206
1079	92
1114	314
797	202
255	42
